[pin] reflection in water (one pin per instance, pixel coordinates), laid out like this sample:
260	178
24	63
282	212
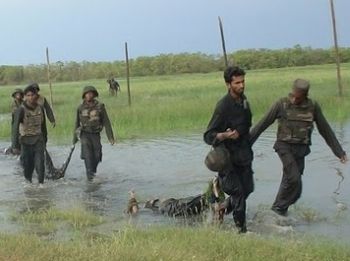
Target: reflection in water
36	199
173	167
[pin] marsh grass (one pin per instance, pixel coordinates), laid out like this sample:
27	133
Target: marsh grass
170	244
77	218
168	105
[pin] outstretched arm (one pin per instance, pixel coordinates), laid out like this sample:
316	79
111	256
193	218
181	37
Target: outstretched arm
269	118
327	133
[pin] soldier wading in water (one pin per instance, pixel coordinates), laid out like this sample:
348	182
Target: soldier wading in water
30	131
91	117
229	127
295	114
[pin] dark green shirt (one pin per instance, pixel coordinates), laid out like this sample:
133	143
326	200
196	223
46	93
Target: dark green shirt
19	116
278	110
91	118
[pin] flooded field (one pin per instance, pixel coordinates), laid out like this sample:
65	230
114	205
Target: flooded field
173	167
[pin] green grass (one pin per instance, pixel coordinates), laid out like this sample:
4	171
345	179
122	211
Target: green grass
163	105
48	219
170	244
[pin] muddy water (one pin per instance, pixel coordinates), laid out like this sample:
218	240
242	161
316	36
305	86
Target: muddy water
173	167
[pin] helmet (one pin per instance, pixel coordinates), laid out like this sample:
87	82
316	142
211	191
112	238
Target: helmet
34	85
18	90
89	88
218	158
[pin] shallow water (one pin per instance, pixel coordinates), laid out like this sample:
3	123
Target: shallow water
173	167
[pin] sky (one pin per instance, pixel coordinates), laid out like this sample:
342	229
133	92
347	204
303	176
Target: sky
96	30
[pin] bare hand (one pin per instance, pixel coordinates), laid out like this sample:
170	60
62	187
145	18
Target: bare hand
228	134
112	142
53	124
344	159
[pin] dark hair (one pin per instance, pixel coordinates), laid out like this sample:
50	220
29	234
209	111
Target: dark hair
232	71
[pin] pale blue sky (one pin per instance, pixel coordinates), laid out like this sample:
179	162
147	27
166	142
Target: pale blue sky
95	30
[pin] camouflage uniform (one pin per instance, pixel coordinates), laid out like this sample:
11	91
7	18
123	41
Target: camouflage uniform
30	131
14	106
90	120
179	207
236	180
295	125
48	110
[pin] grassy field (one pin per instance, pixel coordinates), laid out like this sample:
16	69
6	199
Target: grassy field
44	239
169	244
163	105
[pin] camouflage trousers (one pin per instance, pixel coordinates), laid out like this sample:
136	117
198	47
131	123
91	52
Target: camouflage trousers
91	152
293	160
33	156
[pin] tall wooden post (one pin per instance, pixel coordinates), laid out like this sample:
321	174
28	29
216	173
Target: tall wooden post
337	57
223	41
49	75
127	72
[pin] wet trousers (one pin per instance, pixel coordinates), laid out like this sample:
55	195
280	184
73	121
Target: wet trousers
91	152
238	183
33	156
293	160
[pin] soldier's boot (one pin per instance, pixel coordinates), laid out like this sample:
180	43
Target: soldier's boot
90	175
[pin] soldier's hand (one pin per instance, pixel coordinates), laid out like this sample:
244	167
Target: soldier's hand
232	134
344	159
53	124
112	142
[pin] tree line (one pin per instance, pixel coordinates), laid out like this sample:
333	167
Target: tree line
167	64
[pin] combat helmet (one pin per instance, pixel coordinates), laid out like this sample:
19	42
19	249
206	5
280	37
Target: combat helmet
218	158
18	90
89	88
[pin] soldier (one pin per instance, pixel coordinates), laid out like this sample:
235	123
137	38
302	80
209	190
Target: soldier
31	133
114	86
17	96
191	206
229	127
295	115
42	101
91	117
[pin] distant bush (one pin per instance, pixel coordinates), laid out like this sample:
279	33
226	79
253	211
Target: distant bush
167	64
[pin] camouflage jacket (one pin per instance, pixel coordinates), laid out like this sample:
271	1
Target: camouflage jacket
300	122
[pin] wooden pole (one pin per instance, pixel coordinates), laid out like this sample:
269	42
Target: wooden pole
337	56
49	75
127	72
223	41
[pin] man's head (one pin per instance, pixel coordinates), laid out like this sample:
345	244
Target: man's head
89	93
300	91
18	94
234	79
30	94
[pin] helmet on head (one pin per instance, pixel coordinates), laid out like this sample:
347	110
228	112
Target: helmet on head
89	88
217	159
18	90
34	85
301	85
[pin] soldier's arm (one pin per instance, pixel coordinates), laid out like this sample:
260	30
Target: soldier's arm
215	126
15	134
107	124
266	121
44	128
49	112
327	133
